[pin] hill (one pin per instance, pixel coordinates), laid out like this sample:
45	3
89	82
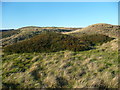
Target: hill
59	29
48	42
85	58
10	37
8	33
100	28
97	68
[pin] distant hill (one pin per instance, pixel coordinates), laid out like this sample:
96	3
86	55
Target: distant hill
60	29
3	30
8	33
13	36
100	28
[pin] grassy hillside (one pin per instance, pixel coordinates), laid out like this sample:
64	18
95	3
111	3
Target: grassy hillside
63	69
9	33
53	42
105	29
86	58
48	42
59	29
19	37
10	37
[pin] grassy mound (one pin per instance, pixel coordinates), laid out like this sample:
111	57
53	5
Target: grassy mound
104	29
48	42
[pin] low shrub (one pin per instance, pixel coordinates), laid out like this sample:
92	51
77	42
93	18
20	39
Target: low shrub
48	42
95	39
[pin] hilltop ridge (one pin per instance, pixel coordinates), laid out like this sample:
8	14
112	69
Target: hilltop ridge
101	28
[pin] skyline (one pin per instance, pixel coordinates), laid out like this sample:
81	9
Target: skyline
62	14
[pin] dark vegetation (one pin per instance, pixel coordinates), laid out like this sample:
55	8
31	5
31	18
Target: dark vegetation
61	82
56	30
52	42
96	39
48	42
4	30
10	85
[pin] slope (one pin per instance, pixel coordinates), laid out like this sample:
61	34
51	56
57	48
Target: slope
100	28
97	67
48	42
64	69
10	37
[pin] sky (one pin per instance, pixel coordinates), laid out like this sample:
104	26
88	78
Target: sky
60	0
58	14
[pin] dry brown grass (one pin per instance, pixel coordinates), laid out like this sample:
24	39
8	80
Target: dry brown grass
106	29
64	69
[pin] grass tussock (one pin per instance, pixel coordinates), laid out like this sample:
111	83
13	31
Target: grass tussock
63	69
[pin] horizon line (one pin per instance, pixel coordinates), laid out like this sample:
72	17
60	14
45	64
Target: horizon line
57	26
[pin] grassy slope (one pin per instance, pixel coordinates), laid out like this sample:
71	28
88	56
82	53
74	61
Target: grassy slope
100	28
13	36
53	42
49	42
93	68
9	33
